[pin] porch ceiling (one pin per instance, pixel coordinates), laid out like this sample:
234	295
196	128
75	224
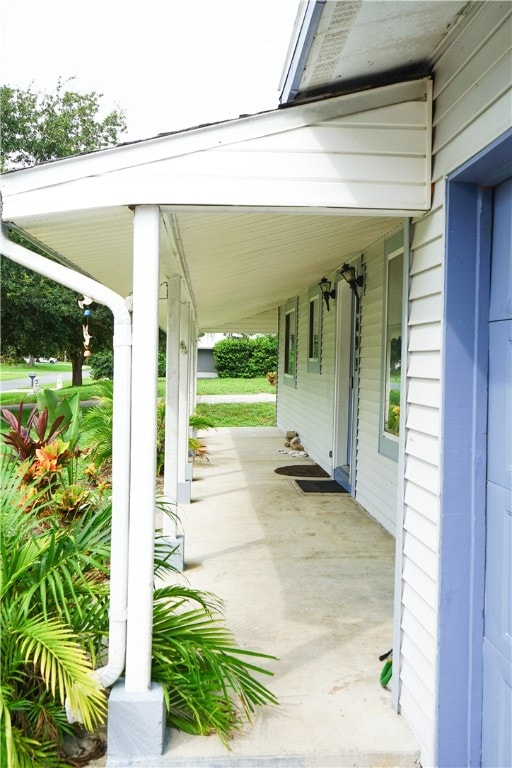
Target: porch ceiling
256	261
239	266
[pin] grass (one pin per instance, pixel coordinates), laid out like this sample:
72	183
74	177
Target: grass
234	386
223	414
93	389
87	392
239	414
8	372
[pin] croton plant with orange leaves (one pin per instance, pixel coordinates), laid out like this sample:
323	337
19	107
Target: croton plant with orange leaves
51	463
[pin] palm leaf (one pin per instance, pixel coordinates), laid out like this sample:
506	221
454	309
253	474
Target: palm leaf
51	647
208	681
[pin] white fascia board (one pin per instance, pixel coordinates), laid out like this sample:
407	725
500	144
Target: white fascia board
82	167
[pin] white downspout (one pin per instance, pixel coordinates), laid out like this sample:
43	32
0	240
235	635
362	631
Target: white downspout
108	674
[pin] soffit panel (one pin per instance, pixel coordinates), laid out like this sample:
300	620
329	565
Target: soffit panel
362	40
238	266
243	264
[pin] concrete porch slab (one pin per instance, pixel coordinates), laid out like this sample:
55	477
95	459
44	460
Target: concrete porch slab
308	579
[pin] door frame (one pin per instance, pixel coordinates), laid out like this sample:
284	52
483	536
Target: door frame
464	453
346	380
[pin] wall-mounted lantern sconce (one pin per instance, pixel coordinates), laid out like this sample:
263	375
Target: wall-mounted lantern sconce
348	273
327	293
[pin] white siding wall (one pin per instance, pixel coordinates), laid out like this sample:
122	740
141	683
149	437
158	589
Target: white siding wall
308	409
376	475
471	108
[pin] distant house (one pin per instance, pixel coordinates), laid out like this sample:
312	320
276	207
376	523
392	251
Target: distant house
386	170
205	362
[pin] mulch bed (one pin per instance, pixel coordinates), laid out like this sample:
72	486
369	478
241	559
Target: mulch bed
302	470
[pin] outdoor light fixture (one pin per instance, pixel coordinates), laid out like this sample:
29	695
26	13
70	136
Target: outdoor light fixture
327	293
348	273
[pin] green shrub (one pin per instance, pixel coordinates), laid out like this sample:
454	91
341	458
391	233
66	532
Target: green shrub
102	365
241	357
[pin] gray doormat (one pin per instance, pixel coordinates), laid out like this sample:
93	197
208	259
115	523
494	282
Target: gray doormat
320	486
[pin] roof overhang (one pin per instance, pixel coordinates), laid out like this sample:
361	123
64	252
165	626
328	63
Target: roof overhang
251	210
341	46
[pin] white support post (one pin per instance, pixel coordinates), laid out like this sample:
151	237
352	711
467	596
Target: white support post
184	480
143	447
175	540
172	393
193	367
191	390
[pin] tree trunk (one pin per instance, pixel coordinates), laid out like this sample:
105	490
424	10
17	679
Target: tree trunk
77	360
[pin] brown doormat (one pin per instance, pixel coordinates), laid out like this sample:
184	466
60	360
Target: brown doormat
320	486
302	470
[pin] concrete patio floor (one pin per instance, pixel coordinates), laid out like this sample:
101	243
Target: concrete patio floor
309	579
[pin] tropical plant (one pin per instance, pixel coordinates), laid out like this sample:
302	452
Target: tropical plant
49	419
271	377
68	407
51	465
198	421
97	426
25	440
54	567
53	596
209	682
197	449
97	429
54	623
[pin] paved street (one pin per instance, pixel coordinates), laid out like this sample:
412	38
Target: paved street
45	379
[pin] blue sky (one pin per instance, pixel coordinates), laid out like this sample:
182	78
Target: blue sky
170	64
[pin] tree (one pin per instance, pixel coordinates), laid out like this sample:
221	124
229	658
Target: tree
37	127
40	317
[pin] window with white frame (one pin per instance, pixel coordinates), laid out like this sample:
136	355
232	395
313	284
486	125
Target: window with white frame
314	329
290	343
392	347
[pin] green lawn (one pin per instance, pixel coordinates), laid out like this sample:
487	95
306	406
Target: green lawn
8	372
223	414
239	414
87	391
234	386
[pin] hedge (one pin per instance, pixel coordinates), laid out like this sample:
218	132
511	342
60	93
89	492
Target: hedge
243	357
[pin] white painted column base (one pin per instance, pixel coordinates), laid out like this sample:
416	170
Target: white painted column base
184	491
136	725
176	548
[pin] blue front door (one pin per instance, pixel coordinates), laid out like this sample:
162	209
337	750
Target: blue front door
497	684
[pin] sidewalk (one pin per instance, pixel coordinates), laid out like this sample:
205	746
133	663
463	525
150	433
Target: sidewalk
308	578
262	397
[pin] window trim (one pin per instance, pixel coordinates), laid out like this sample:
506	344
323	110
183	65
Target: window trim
291	312
315	297
393	247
